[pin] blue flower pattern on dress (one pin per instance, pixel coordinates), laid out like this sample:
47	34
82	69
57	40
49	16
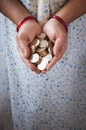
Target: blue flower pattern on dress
53	101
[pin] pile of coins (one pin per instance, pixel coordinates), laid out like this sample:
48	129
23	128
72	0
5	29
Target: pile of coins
41	51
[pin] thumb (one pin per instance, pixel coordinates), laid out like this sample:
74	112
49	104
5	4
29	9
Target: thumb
25	48
58	43
26	52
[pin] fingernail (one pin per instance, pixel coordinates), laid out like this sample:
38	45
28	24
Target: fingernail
26	44
58	39
47	69
55	51
24	52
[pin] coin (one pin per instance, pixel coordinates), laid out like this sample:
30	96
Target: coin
41	51
35	58
41	36
43	43
48	57
35	42
42	65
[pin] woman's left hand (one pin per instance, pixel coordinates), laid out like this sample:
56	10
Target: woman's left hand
58	35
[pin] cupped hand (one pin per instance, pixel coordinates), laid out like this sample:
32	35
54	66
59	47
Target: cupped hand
25	36
57	34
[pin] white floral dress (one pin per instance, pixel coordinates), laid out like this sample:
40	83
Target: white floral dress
53	101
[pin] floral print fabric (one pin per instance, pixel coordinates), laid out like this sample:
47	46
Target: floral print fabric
53	101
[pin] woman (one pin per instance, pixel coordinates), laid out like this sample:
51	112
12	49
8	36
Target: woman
55	100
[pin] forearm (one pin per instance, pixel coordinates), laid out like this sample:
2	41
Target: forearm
72	10
13	9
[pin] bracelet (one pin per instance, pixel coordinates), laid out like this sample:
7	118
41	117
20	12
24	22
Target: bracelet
61	21
24	20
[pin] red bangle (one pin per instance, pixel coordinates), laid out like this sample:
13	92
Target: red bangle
24	20
61	21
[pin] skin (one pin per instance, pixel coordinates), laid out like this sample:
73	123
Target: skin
54	29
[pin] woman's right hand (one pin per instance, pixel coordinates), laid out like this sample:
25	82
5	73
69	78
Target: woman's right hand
25	36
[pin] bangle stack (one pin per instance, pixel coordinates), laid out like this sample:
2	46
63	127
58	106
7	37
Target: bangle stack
61	21
24	20
31	17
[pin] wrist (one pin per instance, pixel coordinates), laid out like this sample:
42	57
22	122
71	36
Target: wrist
27	18
61	21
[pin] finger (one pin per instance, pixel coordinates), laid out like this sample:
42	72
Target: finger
26	61
25	51
52	63
33	67
55	59
23	44
44	71
38	71
22	38
58	43
29	64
